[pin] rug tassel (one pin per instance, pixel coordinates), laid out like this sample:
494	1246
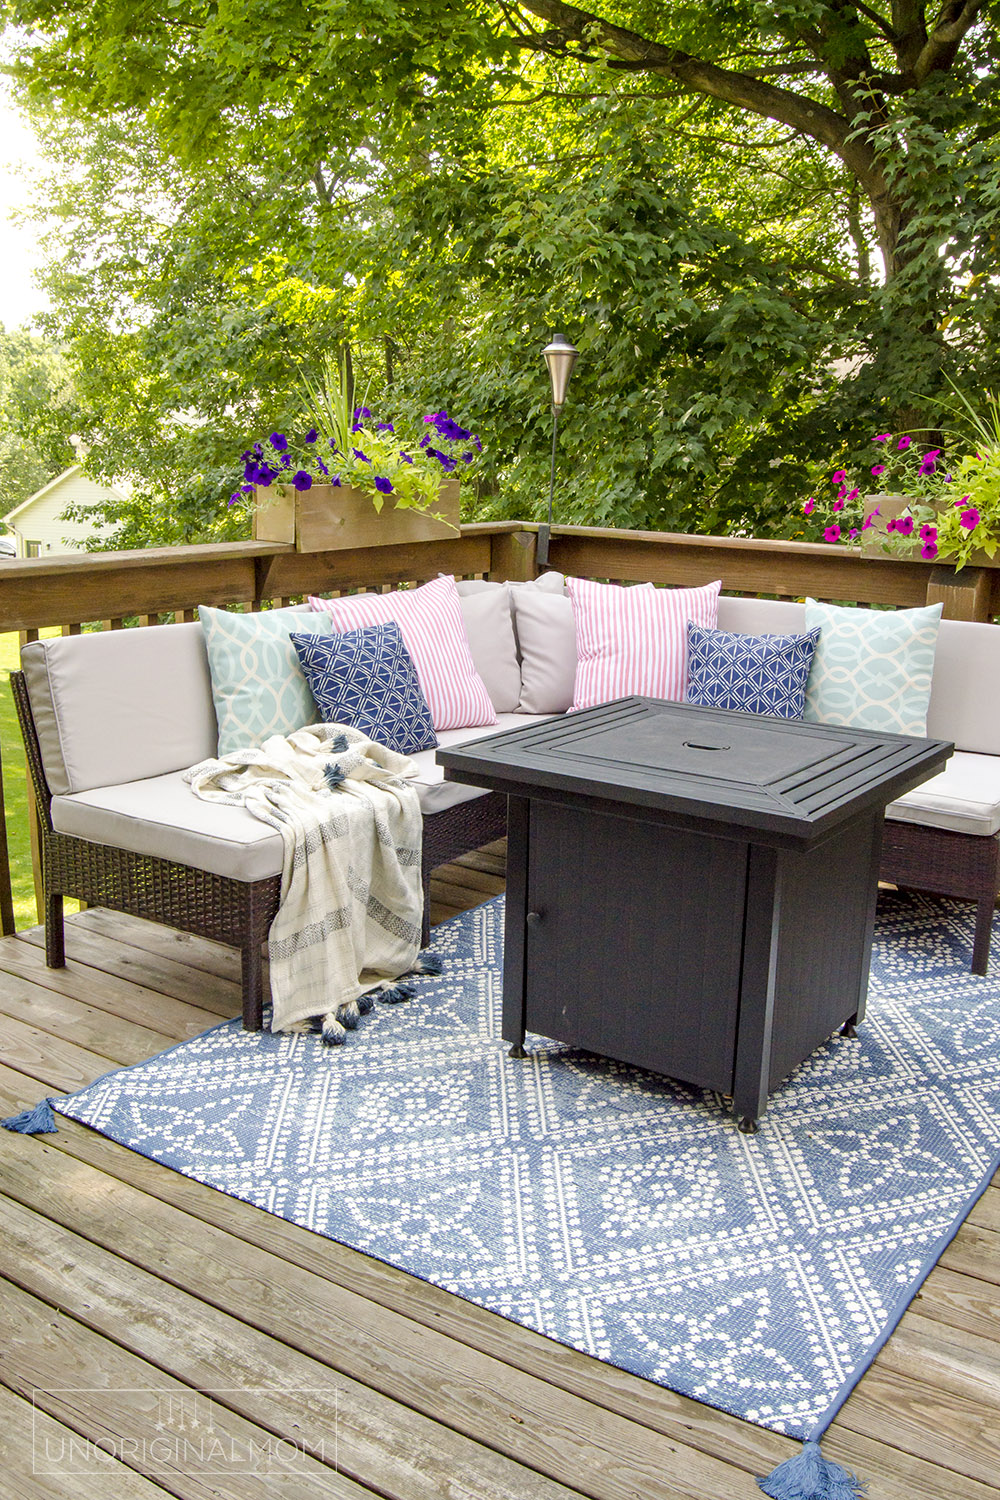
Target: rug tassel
807	1475
37	1121
428	963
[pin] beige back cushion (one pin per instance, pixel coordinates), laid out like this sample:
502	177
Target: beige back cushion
965	688
120	705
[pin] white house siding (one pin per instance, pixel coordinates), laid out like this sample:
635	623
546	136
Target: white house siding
37	519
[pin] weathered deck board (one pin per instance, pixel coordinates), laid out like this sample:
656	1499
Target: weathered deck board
159	1276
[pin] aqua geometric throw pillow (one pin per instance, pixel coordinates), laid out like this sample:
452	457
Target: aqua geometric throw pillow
258	686
872	668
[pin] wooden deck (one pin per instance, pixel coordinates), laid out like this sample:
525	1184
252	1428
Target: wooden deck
128	1290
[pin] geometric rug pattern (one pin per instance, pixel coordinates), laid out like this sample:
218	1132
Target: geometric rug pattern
608	1208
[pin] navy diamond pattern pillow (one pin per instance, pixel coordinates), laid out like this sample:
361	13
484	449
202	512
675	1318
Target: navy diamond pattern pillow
756	674
366	679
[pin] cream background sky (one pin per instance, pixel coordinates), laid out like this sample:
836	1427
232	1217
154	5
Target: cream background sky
20	300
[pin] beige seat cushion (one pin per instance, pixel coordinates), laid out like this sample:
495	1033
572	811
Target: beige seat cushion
435	793
161	816
964	797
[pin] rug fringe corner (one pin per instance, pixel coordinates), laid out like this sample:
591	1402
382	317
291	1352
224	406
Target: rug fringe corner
37	1121
807	1475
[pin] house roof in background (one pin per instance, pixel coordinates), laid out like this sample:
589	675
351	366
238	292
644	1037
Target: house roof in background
69	473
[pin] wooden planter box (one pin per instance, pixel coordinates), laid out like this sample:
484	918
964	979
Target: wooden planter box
328	518
890	508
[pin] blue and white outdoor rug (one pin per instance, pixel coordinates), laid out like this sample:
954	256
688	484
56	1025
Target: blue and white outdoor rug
606	1207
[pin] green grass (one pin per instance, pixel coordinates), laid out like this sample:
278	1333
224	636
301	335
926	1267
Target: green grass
15	794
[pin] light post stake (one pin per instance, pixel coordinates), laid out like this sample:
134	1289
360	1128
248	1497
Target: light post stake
560	357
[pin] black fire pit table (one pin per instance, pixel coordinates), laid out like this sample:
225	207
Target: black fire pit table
688	889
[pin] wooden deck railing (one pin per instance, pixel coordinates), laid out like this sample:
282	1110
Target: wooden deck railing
146	587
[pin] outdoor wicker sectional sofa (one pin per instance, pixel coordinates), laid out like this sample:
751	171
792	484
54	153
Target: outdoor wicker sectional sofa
112	719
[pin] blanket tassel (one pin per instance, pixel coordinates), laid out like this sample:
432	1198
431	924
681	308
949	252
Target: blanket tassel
37	1121
428	963
807	1475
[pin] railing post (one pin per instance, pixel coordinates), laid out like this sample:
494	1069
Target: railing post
513	556
965	595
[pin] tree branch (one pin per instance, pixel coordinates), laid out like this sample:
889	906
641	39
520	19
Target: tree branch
955	19
807	116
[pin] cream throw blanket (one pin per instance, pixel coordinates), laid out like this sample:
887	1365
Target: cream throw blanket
351	894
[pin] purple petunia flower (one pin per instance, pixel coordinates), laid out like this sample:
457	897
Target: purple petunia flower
878	469
311	436
362	457
904	443
405	457
383	485
809	506
467	458
234	497
278	441
335	482
969	518
425	440
333	446
246	489
929	551
831	534
447	463
361	412
358	427
384	427
321	465
853	533
302	480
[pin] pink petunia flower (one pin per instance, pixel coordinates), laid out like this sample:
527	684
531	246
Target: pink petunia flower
928	532
904	443
959	503
853	495
878	469
838	475
869	521
853	533
832	534
839	504
905	525
809	506
969	518
882	437
929	551
890	525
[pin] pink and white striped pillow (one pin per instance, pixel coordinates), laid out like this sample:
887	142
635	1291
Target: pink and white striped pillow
634	640
430	622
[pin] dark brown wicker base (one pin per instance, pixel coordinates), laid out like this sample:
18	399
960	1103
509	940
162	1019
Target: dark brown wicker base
964	865
236	912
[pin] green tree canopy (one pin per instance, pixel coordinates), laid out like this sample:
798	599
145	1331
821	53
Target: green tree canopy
39	413
768	226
